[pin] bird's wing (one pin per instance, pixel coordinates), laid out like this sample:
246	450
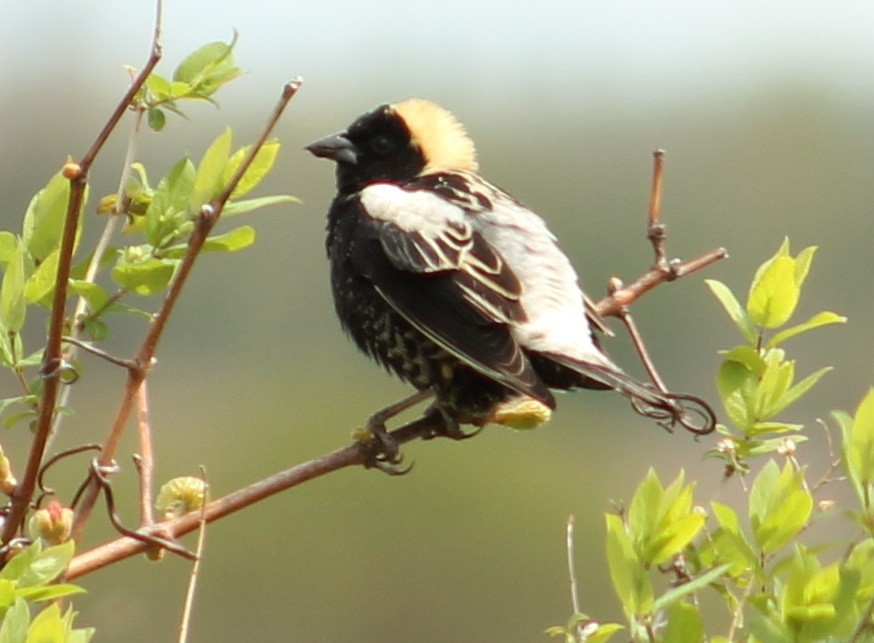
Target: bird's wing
428	263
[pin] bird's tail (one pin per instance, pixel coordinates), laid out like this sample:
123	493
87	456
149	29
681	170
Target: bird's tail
668	409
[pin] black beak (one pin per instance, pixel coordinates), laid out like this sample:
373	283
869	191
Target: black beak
335	147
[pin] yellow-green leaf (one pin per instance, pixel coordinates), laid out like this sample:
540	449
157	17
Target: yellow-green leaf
12	302
208	182
774	297
257	170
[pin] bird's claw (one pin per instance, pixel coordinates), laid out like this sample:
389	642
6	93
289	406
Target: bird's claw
383	451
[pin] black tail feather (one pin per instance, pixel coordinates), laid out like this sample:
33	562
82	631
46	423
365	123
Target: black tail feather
667	409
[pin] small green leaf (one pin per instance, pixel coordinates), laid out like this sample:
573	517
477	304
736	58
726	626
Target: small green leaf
257	170
735	311
774	297
15	623
630	580
92	293
168	210
604	633
47	626
41	282
802	264
820	319
19	563
208	68
44	220
684	624
49	592
780	506
156	119
8	244
48	565
12	302
208	181
748	356
236	239
858	455
144	278
796	392
248	205
737	385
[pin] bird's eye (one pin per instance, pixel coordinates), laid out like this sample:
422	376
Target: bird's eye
381	144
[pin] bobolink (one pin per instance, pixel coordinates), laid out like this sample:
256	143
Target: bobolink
454	285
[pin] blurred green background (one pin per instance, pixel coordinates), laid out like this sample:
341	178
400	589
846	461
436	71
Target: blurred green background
766	114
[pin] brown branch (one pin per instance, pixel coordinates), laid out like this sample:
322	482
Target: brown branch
205	220
145	461
51	368
352	455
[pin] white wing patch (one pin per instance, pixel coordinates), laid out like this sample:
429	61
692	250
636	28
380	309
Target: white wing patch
551	295
412	210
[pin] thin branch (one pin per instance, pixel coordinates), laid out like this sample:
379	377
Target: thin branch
195	568
145	461
78	177
353	455
572	573
637	340
656	230
205	220
91	348
612	304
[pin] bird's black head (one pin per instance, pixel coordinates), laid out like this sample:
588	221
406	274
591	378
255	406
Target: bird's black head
397	143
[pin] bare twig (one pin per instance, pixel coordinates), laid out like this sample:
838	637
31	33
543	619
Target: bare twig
572	573
195	569
205	220
78	177
353	455
656	230
91	348
144	461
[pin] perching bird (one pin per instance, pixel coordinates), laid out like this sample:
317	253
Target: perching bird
454	285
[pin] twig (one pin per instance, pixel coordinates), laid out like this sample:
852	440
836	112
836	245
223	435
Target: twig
637	340
612	304
205	220
572	573
656	230
144	461
195	569
78	177
91	348
353	455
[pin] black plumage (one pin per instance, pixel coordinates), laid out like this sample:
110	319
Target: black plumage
451	283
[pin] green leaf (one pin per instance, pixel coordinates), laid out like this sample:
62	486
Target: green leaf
684	624
604	633
236	239
802	264
15	623
208	181
208	68
168	210
156	119
824	318
12	302
737	385
19	563
748	356
798	391
858	442
41	282
49	592
94	294
257	170
44	220
686	589
774	297
8	244
144	278
735	311
47	626
48	565
630	580
242	207
780	506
